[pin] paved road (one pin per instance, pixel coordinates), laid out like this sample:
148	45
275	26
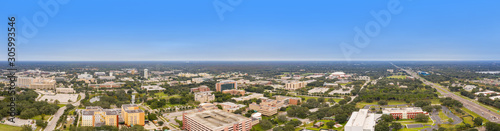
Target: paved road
478	109
52	124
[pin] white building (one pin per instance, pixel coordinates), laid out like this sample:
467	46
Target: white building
85	76
469	87
146	73
152	88
362	121
204	96
99	73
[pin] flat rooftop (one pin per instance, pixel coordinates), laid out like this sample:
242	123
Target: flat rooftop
215	119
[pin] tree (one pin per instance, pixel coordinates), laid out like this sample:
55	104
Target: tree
331	100
266	124
321	99
490	126
450	120
56	102
282	118
26	128
421	118
160	123
478	121
396	126
330	124
382	126
387	118
341	118
382	102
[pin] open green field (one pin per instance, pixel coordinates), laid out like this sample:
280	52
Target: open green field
398	76
414	129
61	105
4	127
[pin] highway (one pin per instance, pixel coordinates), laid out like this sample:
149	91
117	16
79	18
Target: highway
478	109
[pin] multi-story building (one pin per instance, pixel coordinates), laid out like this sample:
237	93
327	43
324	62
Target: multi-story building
362	121
200	89
215	120
203	97
226	85
65	90
132	115
36	83
146	73
108	85
107	77
96	116
267	107
294	85
404	113
153	88
234	92
289	100
251	96
230	107
85	76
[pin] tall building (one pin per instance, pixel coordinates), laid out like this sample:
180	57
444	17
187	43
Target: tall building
226	85
294	85
215	120
200	89
132	115
146	73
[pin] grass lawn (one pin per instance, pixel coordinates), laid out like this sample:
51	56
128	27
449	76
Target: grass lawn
61	105
414	129
4	127
257	128
363	104
39	117
161	95
443	116
398	76
435	101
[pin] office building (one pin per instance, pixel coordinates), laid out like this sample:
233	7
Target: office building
153	88
294	85
36	83
267	107
249	97
85	76
96	116
203	97
289	100
200	89
215	120
231	107
362	121
226	85
234	92
65	90
146	73
132	115
404	113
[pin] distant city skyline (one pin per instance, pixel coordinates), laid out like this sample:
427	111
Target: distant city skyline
254	30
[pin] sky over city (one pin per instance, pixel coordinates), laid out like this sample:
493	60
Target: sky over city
253	30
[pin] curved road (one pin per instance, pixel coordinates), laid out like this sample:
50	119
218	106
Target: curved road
478	109
52	124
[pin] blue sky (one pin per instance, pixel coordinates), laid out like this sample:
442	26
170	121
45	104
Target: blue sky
126	30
